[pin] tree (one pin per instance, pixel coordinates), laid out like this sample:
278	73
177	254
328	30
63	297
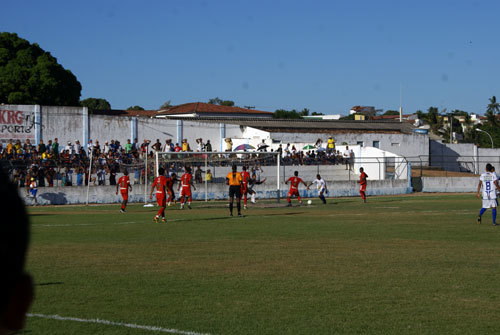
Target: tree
483	140
95	104
492	110
30	75
391	112
348	117
218	101
135	108
285	114
305	112
316	113
166	105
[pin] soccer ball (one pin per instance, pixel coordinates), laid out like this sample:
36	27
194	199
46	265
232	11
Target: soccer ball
309	202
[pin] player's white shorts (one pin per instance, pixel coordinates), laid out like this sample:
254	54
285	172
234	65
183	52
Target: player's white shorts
321	191
489	203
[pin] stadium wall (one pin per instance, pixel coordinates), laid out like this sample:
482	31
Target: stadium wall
407	145
449	184
72	123
106	194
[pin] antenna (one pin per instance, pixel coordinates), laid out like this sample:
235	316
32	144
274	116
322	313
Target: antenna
400	102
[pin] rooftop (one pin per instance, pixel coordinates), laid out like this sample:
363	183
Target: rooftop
204	109
311	126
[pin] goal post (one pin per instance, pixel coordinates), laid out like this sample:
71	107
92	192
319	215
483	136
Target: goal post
216	165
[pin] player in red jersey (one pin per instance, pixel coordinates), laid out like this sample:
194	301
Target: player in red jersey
362	183
160	185
294	188
124	185
186	183
245	178
170	188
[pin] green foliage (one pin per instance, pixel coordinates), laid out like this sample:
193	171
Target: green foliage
492	110
348	117
30	75
304	112
218	101
316	113
96	104
135	108
483	140
391	112
166	105
286	114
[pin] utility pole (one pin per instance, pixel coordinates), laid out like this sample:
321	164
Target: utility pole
400	102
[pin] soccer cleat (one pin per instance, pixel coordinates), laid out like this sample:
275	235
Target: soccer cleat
245	207
230	214
156	219
189	206
182	206
122	210
163	220
239	214
478	220
169	204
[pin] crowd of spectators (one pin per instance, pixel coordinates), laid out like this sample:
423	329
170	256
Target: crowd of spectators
56	164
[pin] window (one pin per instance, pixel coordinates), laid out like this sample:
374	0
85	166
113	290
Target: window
376	144
394	144
360	143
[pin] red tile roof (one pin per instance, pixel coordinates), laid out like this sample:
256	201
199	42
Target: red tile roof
202	109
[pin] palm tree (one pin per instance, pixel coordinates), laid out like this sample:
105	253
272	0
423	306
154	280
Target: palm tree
492	110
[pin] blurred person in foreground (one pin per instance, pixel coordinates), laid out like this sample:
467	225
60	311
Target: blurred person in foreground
16	286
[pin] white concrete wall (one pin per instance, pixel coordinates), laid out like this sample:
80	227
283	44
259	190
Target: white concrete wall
453	157
447	184
219	191
63	123
374	161
17	122
406	145
71	123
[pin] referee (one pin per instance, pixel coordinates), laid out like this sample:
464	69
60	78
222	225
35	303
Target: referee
234	180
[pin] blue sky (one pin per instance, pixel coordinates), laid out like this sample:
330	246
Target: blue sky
323	55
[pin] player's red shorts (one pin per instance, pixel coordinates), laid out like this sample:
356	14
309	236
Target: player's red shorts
160	199
185	192
362	188
293	192
124	195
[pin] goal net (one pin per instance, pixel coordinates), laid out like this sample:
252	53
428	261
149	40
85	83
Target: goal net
209	170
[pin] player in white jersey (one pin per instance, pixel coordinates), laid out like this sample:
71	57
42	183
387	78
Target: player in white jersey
488	182
496	191
321	186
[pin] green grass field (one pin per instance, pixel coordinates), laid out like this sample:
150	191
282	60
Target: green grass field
397	265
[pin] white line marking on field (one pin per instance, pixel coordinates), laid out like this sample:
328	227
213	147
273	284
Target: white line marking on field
113	323
64	225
